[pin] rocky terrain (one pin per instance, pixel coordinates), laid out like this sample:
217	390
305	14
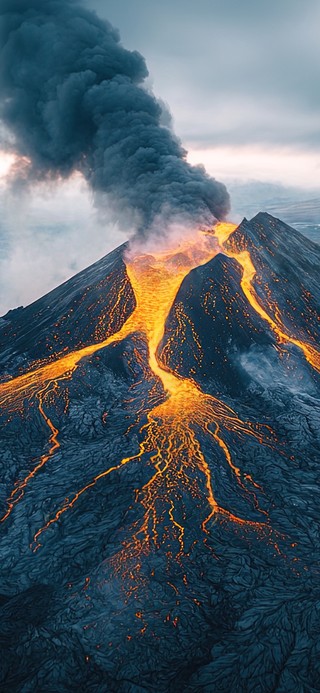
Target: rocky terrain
237	609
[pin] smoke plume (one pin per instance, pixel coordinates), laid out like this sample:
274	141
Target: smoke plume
72	98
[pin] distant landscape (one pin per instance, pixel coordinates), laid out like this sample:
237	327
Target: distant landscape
297	207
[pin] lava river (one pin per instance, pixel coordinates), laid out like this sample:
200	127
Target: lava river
172	431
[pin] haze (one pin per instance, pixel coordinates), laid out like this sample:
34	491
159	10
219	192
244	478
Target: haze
240	80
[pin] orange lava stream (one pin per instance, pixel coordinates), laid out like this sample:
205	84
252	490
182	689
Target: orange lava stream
180	477
222	232
18	491
170	442
27	385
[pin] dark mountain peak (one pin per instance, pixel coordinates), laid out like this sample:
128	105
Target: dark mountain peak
221	267
159	467
75	314
264	224
264	217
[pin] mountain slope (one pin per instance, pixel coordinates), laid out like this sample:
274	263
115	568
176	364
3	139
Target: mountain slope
79	312
160	525
228	327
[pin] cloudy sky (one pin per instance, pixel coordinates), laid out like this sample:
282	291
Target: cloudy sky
241	81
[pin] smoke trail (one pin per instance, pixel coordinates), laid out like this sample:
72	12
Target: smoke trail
72	98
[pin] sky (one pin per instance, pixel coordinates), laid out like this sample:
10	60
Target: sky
241	82
240	78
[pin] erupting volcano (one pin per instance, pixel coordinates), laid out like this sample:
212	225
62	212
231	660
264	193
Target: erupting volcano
169	435
147	432
170	431
160	410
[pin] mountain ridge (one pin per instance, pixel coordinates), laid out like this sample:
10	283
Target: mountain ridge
166	539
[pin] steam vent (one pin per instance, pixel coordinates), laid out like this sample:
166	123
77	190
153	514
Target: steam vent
160	426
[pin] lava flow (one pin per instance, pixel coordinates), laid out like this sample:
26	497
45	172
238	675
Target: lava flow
170	438
184	418
171	444
223	232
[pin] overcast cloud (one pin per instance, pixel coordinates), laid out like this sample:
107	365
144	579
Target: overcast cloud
47	237
241	79
232	72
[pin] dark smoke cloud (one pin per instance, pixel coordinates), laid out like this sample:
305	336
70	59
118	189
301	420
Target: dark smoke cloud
74	99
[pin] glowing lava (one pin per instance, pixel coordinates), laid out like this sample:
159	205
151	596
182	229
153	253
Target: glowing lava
171	443
223	232
18	491
180	427
183	418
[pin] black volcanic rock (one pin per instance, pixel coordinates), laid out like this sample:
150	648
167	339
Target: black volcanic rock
77	313
239	610
227	342
287	266
219	326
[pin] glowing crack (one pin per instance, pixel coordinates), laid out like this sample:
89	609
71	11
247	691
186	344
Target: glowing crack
171	438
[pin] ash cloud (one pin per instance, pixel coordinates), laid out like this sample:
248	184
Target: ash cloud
73	98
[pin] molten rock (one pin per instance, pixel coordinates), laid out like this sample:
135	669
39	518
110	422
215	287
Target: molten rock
160	417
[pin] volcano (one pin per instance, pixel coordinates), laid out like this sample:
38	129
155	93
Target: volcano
160	463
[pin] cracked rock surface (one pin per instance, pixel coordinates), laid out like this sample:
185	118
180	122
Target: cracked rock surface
239	610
